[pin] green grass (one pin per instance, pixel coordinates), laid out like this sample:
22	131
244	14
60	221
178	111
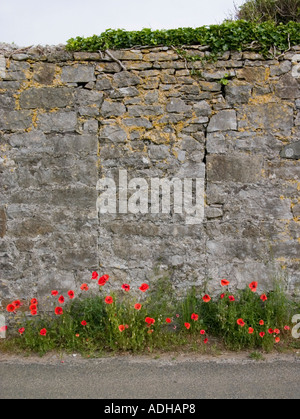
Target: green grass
120	327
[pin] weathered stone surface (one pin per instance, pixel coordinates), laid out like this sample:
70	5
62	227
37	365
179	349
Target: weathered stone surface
287	88
113	133
15	120
215	143
237	92
46	98
202	108
89	97
78	73
124	92
269	116
7	101
213	212
145	110
112	109
60	121
280	68
252	74
296	210
125	79
217	75
2	66
236	168
127	55
2	222
178	106
223	121
103	83
208	86
44	73
137	122
291	151
161	56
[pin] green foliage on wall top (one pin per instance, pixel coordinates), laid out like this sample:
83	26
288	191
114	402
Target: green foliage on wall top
230	35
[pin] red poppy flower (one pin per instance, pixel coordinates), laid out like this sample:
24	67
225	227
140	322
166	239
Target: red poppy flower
94	275
137	306
202	332
3	328
32	307
263	297
102	280
253	286
286	327
83	323
58	311
168	320
224	282
261	322
33	301
231	298
206	298
144	287
109	300
10	308
270	331
205	340
54	292
194	316
61	299
16	303
126	287
240	322
71	294
250	330
277	339
222	295
21	330
84	287
277	331
43	332
149	320
262	334
121	327
187	325
33	312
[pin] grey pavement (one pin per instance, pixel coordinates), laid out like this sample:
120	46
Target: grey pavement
145	377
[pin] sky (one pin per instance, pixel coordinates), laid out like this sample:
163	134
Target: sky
53	22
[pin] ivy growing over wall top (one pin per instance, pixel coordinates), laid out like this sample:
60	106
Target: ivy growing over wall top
230	35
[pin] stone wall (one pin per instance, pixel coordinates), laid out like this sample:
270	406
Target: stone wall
69	119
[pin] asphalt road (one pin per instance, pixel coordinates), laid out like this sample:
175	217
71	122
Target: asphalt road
129	377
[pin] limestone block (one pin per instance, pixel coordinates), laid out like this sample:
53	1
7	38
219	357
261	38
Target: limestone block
237	168
78	73
267	116
223	120
60	121
112	109
2	67
46	98
125	79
